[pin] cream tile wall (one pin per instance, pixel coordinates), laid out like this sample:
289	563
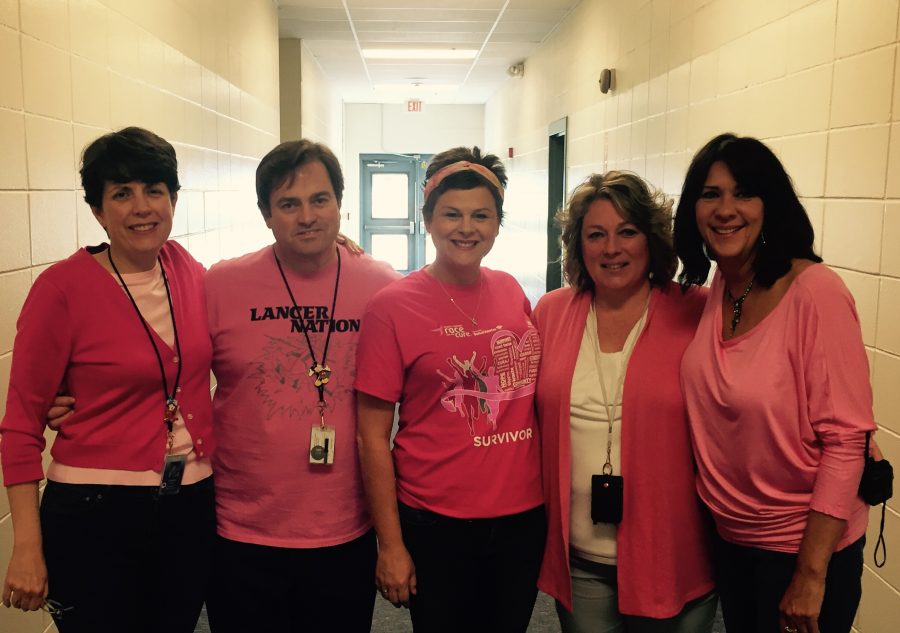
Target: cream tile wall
202	73
819	80
321	106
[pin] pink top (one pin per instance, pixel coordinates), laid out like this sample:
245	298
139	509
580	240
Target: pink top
663	559
467	443
779	414
265	403
77	325
149	293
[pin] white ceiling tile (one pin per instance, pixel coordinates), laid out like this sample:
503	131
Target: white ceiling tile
324	27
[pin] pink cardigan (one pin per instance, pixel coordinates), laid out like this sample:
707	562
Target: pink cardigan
662	542
78	326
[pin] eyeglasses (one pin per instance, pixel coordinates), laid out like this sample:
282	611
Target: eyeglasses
55	609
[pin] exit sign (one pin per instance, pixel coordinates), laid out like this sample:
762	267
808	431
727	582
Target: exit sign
414	105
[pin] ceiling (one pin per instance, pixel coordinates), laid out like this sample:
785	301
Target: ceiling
500	32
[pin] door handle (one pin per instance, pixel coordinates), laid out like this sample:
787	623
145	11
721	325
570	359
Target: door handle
380	227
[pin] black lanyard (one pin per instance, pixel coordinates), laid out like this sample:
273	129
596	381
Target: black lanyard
320	372
171	402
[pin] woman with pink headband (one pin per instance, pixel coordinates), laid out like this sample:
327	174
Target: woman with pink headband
457	504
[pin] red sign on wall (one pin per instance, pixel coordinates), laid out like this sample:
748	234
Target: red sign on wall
414	105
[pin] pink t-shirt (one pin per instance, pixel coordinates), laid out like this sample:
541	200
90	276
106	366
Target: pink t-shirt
265	404
778	415
467	442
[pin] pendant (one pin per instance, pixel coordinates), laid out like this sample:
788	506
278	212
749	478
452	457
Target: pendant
321	373
171	408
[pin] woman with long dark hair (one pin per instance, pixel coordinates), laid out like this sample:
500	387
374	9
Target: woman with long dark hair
776	384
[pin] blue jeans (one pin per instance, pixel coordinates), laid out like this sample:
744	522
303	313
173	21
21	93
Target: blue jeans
752	581
121	559
287	590
474	575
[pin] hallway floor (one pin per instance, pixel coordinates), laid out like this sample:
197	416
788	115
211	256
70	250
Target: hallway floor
390	620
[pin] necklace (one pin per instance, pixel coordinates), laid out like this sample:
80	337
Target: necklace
320	372
737	305
474	315
171	412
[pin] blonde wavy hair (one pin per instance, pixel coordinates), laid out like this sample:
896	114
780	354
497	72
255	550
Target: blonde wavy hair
637	202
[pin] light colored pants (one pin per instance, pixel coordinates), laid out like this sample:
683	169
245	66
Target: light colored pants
595	610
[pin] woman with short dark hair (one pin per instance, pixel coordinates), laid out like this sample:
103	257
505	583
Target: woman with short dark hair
457	504
123	534
776	384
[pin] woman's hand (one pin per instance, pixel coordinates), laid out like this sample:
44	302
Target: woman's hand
877	455
801	604
350	245
25	586
395	575
798	611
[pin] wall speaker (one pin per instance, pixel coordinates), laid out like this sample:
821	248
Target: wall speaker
607	80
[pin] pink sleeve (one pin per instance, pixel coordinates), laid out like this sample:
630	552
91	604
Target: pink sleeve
538	311
40	356
839	396
379	361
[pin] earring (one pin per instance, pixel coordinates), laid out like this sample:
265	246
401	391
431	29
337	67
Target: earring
762	238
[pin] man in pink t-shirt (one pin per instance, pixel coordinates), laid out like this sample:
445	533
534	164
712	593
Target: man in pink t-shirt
296	549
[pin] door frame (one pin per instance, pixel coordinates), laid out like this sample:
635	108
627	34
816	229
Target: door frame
556	199
413	225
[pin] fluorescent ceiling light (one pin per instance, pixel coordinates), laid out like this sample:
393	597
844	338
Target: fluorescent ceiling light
419	53
418	87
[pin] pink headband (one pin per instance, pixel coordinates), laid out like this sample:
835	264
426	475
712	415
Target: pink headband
462	165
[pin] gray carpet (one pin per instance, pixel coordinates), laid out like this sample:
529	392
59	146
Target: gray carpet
390	620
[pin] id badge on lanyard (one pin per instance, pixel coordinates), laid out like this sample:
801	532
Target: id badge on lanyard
321	436
173	466
321	445
172	473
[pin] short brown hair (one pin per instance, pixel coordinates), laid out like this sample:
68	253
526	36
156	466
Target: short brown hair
464	179
132	153
648	209
278	166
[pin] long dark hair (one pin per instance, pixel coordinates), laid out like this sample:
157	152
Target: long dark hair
786	232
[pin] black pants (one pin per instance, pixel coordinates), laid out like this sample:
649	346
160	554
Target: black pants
263	589
751	583
477	575
121	559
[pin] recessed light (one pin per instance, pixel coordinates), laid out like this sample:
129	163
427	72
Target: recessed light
418	87
419	53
